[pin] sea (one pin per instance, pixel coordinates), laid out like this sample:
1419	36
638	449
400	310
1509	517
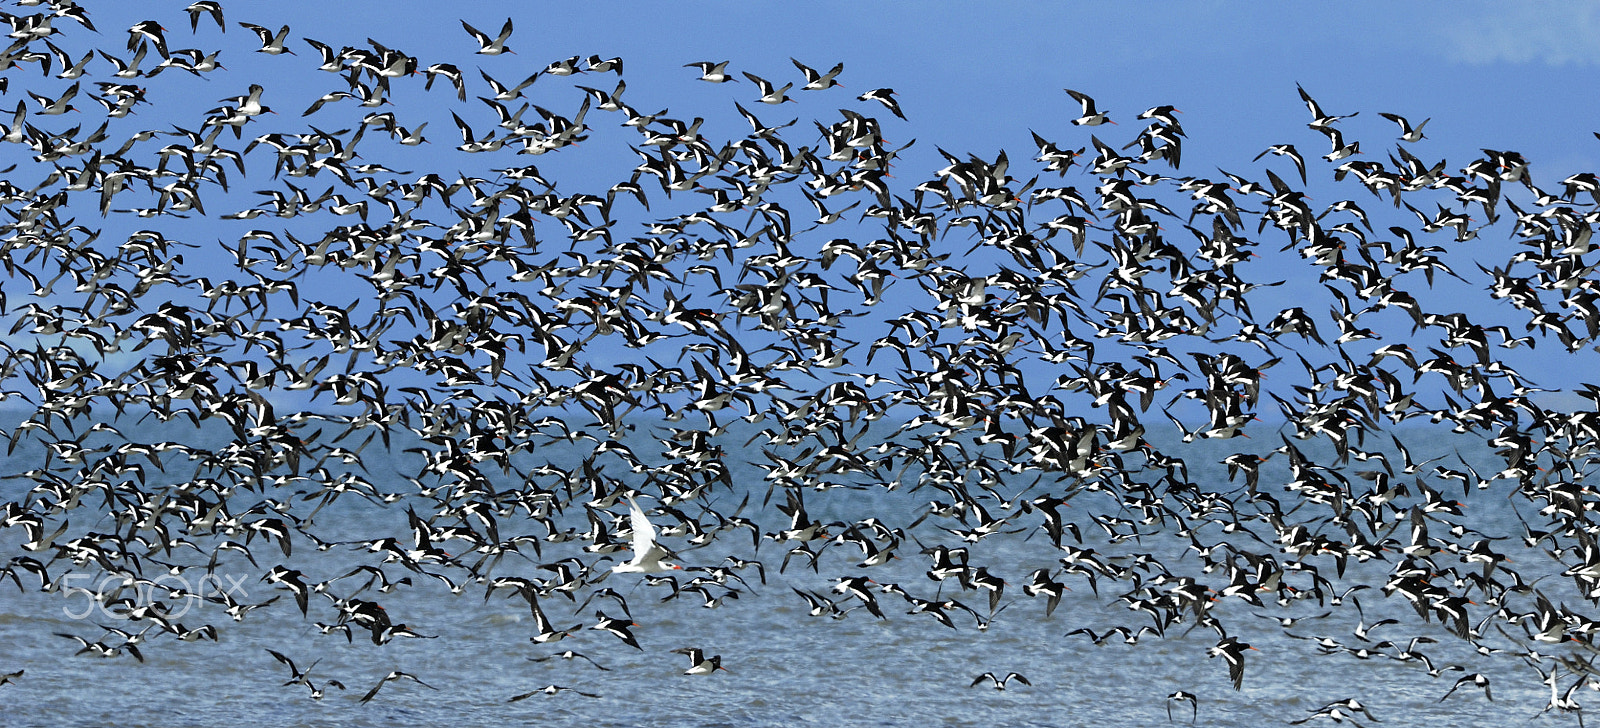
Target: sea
783	667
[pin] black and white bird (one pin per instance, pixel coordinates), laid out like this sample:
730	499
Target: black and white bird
1184	697
699	664
491	46
272	43
1232	651
551	690
1408	133
712	71
885	96
392	676
770	94
999	683
1476	680
1090	115
569	655
817	81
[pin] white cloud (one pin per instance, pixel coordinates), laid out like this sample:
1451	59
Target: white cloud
1552	32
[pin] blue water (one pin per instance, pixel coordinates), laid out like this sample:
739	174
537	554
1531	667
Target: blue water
783	667
491	325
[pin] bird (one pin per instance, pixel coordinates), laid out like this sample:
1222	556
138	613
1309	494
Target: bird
1000	683
1338	712
1319	120
647	554
502	355
884	96
1184	697
1286	150
550	690
617	627
817	81
547	631
699	664
393	675
148	30
272	43
769	93
491	46
101	649
1476	680
203	7
302	677
1408	133
568	655
1090	116
296	675
1340	149
712	71
1232	651
58	105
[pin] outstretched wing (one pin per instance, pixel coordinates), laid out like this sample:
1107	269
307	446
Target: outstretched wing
644	534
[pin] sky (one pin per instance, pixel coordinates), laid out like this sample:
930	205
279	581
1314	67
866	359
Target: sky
971	78
1497	75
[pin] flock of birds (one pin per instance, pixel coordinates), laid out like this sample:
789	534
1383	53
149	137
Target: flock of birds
1027	355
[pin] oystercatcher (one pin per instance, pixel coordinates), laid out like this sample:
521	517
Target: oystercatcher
1000	683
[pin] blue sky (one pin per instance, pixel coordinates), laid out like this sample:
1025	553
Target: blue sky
1498	75
971	78
978	77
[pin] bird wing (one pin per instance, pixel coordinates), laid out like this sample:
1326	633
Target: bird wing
644	534
1084	100
280	657
374	691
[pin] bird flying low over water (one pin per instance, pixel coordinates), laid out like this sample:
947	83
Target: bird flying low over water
647	554
699	664
551	690
999	683
392	676
378	378
1232	651
1184	697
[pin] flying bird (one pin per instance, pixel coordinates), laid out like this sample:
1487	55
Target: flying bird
491	46
1090	116
769	93
883	96
647	554
712	71
551	690
1184	697
272	43
999	683
394	675
817	81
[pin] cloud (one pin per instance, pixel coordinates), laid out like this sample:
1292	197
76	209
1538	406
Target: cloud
1551	32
